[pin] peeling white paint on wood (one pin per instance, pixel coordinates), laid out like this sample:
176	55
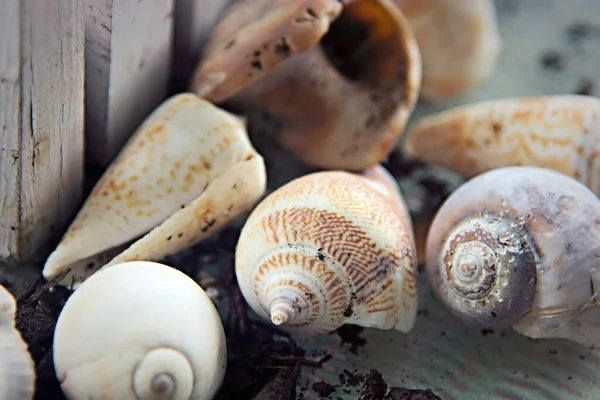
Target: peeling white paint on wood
41	122
194	20
129	47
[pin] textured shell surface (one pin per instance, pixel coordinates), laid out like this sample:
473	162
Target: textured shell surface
459	41
357	82
558	132
333	247
139	329
560	220
183	149
17	376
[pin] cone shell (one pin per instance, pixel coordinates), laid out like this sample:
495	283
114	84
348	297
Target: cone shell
135	328
554	132
340	82
459	41
545	275
183	171
324	250
17	374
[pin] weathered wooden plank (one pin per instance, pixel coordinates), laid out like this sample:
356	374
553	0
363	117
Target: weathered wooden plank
194	20
129	47
41	122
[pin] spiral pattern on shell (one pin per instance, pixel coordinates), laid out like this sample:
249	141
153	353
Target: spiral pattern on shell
146	328
517	247
324	250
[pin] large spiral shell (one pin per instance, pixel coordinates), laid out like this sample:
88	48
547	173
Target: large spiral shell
519	246
17	375
328	249
139	330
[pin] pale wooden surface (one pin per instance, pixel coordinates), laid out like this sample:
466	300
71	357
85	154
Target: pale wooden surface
41	122
129	47
194	20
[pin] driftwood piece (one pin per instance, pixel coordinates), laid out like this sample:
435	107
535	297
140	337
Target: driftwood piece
194	21
41	122
129	47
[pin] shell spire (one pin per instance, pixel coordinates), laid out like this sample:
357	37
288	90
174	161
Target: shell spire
330	248
187	171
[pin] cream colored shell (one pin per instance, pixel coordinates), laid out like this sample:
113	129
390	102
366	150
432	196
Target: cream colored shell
555	132
327	249
519	246
338	79
187	171
17	373
139	330
459	41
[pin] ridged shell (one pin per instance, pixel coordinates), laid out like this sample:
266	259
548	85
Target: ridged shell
324	250
17	374
549	250
187	171
459	41
339	82
555	132
139	330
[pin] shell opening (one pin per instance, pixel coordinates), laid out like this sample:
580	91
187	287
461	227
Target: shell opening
163	373
360	42
486	272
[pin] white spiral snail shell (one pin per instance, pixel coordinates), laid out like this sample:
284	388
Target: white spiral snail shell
139	330
17	373
327	249
519	246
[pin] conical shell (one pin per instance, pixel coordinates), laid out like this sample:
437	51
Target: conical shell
459	41
189	169
541	275
555	132
340	82
139	330
326	249
17	374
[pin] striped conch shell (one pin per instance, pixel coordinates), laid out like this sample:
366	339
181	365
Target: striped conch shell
557	132
17	373
189	170
340	79
139	331
459	41
518	247
327	249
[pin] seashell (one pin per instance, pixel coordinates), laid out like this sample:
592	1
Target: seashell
554	132
329	249
341	79
139	330
459	41
518	246
189	170
17	372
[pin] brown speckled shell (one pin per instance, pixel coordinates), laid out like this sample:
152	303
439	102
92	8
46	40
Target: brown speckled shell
184	166
459	41
555	132
330	117
339	244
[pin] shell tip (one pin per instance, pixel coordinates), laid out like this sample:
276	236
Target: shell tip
281	313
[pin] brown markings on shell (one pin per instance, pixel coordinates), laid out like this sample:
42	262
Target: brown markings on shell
334	291
468	139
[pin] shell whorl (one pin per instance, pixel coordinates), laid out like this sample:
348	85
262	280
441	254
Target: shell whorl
324	250
162	374
477	270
